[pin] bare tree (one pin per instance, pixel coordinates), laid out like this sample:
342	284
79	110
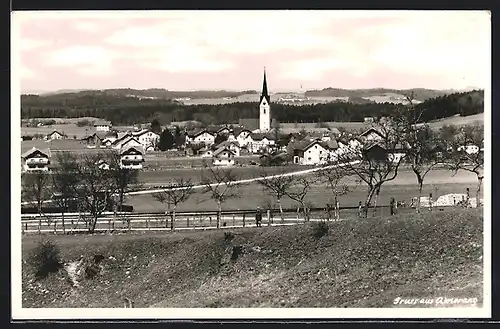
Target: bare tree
219	184
334	177
178	191
378	159
423	153
64	182
124	178
97	184
298	192
279	185
467	153
35	189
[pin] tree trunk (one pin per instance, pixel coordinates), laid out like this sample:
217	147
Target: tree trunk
478	191
39	208
281	210
420	187
219	210
368	201
172	225
63	224
377	194
94	223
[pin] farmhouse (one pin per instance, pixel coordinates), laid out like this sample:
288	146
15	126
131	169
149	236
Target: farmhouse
232	146
131	157
128	141
55	135
314	153
147	138
102	125
94	139
377	152
203	136
261	142
372	134
242	136
36	160
223	157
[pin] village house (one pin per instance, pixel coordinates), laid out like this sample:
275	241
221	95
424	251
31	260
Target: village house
372	134
55	135
132	157
232	146
205	152
148	139
261	142
203	136
36	160
94	139
242	136
376	152
128	141
102	125
314	153
223	157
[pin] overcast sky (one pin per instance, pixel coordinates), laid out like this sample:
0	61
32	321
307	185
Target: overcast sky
190	50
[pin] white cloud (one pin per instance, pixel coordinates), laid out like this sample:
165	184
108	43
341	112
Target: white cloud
78	55
27	73
84	26
27	44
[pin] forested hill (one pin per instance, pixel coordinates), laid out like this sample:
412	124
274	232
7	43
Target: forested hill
420	94
131	110
148	93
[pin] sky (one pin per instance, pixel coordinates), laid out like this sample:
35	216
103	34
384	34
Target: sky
207	50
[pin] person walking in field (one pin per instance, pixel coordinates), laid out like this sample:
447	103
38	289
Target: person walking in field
258	218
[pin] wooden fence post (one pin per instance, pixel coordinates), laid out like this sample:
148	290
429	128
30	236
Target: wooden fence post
187	221
147	224
55	227
234	221
269	218
244	215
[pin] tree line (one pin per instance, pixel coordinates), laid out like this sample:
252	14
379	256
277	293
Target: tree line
121	110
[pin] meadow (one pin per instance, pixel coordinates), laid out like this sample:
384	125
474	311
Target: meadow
403	188
352	263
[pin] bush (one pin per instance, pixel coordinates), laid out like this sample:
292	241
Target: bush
46	259
320	229
228	236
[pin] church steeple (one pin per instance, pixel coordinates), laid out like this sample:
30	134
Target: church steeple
264	89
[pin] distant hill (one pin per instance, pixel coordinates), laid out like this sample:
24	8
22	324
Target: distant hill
420	94
154	93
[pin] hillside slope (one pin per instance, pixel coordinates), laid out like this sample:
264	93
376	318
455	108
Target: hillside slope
359	263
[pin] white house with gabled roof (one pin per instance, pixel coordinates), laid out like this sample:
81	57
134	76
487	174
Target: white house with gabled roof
132	157
36	160
102	125
223	157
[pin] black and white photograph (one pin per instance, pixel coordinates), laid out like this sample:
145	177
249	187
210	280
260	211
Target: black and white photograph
272	164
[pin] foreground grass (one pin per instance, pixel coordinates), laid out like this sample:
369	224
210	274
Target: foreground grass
359	263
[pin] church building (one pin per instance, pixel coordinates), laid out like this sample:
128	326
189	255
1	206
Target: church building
265	108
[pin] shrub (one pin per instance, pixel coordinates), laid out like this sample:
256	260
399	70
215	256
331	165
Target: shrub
228	236
320	229
46	259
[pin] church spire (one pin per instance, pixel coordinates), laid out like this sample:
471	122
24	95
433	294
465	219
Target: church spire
264	89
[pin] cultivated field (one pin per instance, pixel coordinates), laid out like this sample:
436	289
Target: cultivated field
352	263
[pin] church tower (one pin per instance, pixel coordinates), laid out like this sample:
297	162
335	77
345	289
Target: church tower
265	108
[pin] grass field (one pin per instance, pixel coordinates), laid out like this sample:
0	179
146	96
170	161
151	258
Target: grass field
358	263
438	182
